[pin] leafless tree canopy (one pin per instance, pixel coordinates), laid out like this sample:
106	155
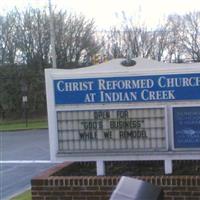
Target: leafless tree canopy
25	49
25	38
178	40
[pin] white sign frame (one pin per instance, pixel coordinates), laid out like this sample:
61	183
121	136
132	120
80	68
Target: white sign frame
167	156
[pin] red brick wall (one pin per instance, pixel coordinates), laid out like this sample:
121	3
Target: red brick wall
47	187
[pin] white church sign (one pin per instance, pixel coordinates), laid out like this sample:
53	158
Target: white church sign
150	111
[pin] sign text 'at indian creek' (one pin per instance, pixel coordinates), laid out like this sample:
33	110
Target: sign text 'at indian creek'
127	89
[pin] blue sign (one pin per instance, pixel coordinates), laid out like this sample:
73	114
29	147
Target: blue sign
127	89
186	122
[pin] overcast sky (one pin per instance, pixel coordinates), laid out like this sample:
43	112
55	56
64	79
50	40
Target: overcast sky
107	13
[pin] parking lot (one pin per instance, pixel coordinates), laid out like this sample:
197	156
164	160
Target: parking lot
24	154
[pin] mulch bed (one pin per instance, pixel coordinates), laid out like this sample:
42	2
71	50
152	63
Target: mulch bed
131	168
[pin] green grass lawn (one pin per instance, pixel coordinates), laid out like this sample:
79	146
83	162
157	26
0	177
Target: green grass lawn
21	125
24	196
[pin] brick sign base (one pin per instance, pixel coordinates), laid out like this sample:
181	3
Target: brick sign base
48	186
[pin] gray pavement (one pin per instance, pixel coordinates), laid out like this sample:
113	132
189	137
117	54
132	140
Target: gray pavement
25	145
21	145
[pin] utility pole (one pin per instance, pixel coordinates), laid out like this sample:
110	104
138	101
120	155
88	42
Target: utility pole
52	35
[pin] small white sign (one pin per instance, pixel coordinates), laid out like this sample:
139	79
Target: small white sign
24	99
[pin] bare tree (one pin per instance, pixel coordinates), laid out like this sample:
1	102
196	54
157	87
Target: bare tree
174	29
191	35
159	43
75	37
34	37
114	45
8	38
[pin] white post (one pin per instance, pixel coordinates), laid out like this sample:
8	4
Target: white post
52	35
168	166
100	165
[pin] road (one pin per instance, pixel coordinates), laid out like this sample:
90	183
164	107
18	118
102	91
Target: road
21	145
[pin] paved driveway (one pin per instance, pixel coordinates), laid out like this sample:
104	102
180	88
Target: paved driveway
21	145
